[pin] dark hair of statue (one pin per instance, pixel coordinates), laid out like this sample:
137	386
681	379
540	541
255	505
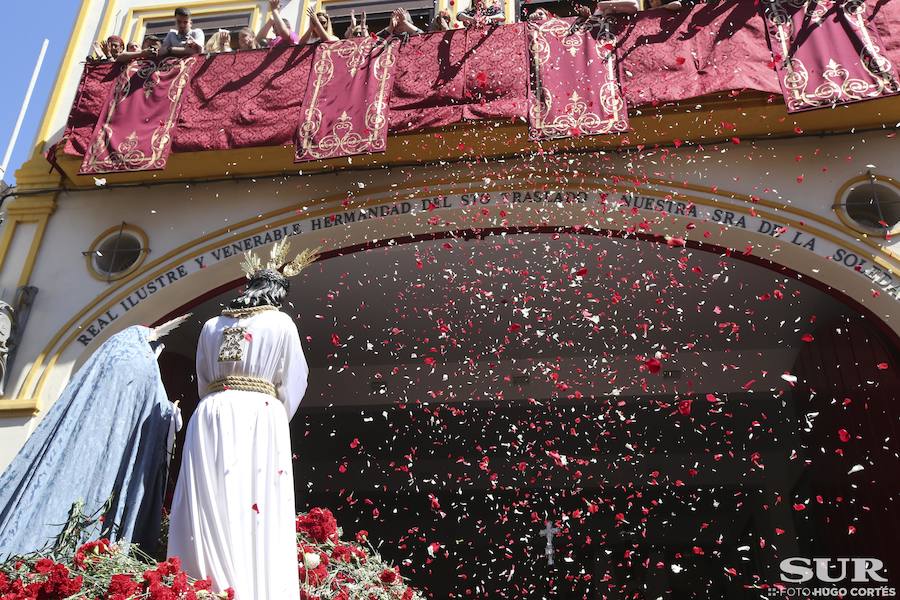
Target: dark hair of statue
265	288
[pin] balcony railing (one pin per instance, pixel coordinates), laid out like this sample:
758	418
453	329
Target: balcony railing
253	98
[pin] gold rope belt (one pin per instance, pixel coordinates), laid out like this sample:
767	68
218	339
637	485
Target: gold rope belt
244	384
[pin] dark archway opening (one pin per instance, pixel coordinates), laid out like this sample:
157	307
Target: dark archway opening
465	389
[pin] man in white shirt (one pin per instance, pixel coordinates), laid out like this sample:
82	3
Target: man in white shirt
183	41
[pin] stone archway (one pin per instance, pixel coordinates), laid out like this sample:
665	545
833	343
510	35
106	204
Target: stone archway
679	214
366	451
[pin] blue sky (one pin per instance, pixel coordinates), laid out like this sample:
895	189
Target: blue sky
29	23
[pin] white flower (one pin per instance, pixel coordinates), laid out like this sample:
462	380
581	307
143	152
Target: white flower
311	560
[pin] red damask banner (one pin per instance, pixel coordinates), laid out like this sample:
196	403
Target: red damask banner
134	129
345	110
827	53
575	83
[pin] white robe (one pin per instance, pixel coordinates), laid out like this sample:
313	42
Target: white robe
233	513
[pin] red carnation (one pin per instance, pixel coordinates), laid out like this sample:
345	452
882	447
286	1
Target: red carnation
161	592
319	524
312	576
58	584
342	553
388	576
89	550
203	584
122	587
43	565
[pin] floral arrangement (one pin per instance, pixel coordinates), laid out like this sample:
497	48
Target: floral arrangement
99	570
331	569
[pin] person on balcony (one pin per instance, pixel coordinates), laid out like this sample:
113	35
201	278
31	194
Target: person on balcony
319	30
482	12
279	26
356	30
223	41
441	21
616	7
184	40
107	50
150	49
219	42
401	25
675	4
246	39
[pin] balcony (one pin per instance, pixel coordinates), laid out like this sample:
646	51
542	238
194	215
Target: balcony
703	75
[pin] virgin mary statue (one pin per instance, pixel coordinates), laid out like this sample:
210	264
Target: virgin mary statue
233	516
104	443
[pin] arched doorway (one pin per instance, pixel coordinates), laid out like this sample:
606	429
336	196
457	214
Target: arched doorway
686	418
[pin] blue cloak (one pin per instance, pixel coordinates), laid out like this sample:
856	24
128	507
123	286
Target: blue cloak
104	441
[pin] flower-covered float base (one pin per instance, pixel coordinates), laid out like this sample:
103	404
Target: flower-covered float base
330	569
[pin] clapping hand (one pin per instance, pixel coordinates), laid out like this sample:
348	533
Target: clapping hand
273	5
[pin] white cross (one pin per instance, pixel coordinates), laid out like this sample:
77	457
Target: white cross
548	531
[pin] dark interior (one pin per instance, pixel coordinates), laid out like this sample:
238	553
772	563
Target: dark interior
694	482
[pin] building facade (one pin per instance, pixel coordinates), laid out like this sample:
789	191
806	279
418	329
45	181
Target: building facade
723	249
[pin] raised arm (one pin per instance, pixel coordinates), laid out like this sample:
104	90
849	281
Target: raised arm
97	52
462	17
623	7
261	36
349	33
127	56
278	25
317	28
404	23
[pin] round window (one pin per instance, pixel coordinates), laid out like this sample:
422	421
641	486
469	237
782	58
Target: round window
871	206
117	252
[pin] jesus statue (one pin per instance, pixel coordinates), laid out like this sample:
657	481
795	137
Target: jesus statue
233	513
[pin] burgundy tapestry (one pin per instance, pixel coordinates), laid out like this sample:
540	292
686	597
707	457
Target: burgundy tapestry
345	110
827	53
244	99
575	84
93	92
134	129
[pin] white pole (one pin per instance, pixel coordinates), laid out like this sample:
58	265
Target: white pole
18	127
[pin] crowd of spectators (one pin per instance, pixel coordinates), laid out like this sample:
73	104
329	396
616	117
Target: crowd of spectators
186	40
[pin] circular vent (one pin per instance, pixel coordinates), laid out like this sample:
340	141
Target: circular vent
117	252
871	206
